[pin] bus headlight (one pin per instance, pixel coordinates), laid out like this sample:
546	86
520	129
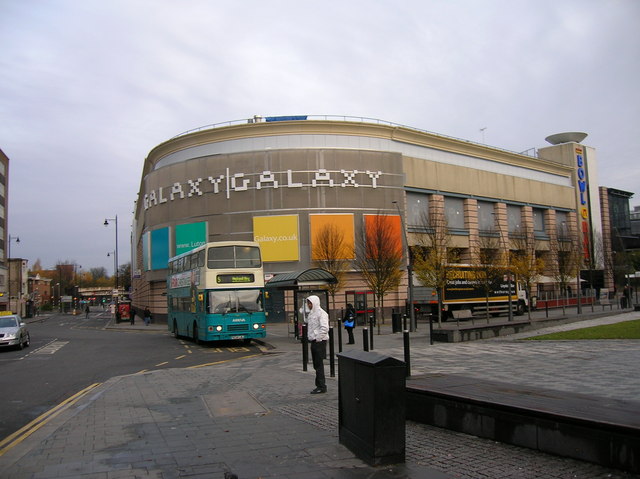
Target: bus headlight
256	326
218	328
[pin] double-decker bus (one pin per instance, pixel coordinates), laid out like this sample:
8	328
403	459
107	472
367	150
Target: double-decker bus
215	292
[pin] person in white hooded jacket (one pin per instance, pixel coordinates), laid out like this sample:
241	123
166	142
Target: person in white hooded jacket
318	333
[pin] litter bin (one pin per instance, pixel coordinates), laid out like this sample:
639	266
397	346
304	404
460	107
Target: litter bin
372	409
396	322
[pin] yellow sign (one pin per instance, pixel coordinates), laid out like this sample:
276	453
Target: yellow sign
278	237
584	213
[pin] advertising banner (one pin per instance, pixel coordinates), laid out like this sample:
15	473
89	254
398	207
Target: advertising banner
146	251
159	248
278	237
190	236
387	226
324	226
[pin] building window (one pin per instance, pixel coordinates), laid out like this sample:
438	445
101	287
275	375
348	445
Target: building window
562	225
454	212
417	209
514	218
486	218
538	221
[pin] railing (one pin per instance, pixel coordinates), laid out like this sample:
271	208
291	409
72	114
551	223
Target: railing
345	118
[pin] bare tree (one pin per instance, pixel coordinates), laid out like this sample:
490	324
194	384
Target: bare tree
379	258
332	253
433	255
524	262
488	264
567	257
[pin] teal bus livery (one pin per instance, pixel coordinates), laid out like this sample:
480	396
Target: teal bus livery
215	292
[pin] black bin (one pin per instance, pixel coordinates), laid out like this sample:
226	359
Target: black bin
396	322
372	407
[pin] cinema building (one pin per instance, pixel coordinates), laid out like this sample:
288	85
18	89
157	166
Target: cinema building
279	180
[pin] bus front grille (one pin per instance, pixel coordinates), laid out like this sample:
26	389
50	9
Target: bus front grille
238	327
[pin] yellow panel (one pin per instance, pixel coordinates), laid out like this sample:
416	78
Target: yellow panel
278	237
343	224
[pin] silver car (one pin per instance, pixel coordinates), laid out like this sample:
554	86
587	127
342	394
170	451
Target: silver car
13	332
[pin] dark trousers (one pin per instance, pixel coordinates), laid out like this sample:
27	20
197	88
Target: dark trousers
318	353
350	333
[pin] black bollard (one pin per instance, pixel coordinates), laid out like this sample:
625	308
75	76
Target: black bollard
431	329
407	351
340	331
305	349
365	339
370	332
332	355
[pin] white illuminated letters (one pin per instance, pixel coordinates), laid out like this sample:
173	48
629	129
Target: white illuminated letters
228	183
266	177
194	187
176	189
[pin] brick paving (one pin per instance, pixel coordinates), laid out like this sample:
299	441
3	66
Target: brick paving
166	424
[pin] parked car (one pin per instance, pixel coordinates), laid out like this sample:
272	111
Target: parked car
13	332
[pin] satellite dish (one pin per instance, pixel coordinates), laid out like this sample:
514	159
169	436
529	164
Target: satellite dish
568	137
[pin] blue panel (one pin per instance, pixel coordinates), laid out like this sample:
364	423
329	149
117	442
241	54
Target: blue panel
285	118
145	252
159	248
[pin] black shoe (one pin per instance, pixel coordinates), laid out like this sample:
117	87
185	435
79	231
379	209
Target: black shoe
319	391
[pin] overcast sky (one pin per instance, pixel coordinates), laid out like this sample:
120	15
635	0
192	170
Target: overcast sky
88	88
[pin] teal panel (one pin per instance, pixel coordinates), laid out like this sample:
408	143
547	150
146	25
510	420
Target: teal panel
190	236
159	248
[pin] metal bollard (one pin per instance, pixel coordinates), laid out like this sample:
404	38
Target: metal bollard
332	355
365	339
305	348
431	329
371	332
340	331
407	352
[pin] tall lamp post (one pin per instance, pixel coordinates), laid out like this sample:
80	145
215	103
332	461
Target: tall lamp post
115	272
412	314
17	240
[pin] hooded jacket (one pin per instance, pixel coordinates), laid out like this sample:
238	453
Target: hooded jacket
317	321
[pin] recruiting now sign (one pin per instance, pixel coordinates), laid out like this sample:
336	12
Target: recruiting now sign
278	237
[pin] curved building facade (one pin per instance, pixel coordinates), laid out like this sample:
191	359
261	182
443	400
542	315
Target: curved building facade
279	180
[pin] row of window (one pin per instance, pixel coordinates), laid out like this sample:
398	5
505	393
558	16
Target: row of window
418	215
218	257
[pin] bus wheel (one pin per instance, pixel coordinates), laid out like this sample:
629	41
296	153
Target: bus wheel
195	333
246	341
175	330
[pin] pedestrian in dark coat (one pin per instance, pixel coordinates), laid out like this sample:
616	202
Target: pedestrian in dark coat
349	321
147	316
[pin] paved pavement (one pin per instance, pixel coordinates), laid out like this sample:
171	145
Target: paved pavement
255	418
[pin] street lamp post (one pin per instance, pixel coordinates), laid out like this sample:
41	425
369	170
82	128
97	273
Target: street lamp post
115	272
412	314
